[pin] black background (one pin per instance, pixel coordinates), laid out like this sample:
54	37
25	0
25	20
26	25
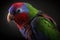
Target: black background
10	31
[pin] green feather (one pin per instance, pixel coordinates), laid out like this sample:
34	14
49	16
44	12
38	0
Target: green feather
47	28
44	25
32	11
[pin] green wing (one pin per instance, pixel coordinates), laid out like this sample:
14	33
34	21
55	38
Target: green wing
48	28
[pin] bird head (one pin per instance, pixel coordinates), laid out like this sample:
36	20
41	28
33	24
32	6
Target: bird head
23	12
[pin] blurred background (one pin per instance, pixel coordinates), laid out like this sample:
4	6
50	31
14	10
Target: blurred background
9	31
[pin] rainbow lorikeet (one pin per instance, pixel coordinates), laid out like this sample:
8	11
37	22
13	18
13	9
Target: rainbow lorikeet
32	23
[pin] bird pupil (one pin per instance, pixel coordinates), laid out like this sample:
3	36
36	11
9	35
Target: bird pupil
18	11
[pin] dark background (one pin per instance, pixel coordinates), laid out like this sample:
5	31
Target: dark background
10	31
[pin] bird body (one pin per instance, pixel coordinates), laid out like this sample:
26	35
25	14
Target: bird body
32	23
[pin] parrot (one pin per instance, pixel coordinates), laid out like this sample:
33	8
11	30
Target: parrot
32	23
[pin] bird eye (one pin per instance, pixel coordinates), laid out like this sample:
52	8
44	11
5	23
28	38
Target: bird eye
18	11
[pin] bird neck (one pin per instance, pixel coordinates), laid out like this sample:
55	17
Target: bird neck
32	11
